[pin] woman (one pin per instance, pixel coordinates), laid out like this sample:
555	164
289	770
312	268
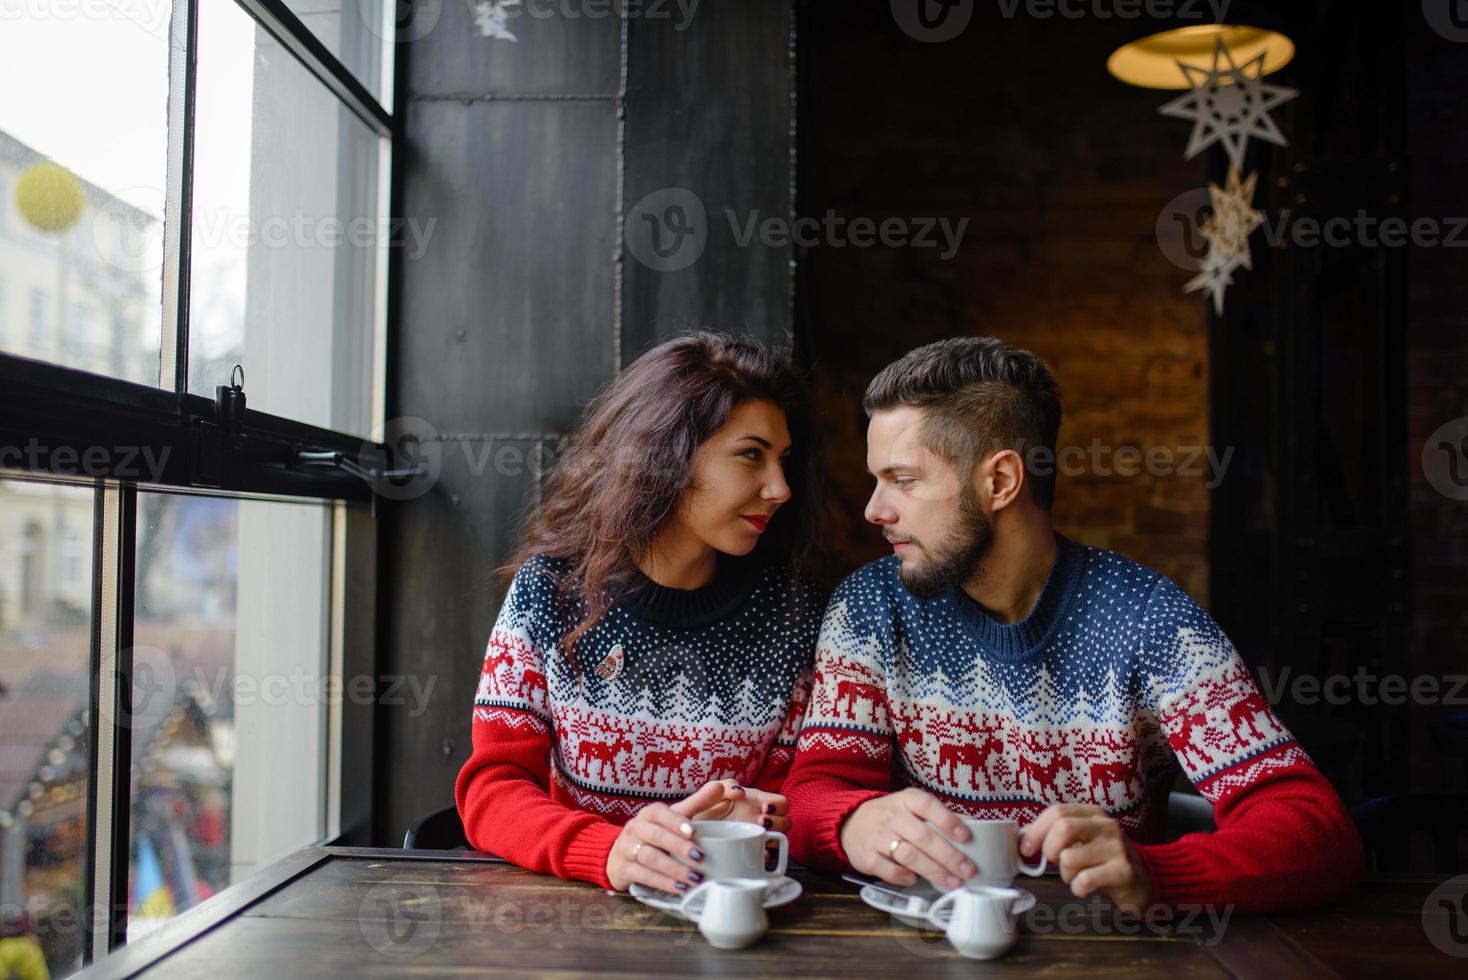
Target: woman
652	658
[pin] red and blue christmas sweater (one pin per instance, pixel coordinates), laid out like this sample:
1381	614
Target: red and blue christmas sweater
668	690
1114	680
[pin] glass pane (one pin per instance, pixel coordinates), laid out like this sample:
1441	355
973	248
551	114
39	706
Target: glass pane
83	156
229	705
359	33
45	679
286	265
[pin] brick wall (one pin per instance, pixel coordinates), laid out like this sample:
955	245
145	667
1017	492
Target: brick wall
1061	172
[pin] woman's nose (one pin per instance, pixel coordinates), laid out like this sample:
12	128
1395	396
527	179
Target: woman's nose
777	489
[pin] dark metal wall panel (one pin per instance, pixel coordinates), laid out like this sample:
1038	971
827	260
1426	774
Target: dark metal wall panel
517	272
525	155
709	111
445	602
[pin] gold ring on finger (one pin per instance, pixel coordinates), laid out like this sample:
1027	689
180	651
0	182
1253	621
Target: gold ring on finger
637	848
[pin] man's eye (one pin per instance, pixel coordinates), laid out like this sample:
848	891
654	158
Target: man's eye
904	482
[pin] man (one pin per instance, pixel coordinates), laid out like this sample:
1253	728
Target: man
992	668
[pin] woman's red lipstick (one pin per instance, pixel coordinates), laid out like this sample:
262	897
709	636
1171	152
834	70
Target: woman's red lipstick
758	520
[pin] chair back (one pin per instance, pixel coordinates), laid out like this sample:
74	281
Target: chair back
441	830
1389	824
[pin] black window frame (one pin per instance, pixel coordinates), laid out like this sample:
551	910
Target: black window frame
68	410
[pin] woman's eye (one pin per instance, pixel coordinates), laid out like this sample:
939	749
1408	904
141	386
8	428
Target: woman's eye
750	454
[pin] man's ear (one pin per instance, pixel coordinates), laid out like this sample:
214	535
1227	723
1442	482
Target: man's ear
1006	478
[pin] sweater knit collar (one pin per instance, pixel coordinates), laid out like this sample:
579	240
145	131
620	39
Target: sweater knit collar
733	579
1014	641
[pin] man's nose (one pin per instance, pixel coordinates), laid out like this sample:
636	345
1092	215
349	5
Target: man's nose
878	511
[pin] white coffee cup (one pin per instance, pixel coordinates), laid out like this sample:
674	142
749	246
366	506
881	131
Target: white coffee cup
984	921
733	911
993	847
736	849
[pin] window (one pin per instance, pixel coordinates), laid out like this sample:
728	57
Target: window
359	32
45	676
84	164
76	558
79	335
175	608
117	347
230	656
40	335
288	188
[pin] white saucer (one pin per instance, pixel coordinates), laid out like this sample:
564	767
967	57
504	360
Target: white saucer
913	909
781	891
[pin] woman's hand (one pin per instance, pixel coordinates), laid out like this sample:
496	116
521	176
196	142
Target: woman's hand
769	810
655	844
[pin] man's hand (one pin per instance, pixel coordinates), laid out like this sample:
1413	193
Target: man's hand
1093	854
868	835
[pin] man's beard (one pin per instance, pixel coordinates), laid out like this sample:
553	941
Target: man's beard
953	561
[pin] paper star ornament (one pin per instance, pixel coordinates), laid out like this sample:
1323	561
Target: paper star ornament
1227	232
1228	104
1234	217
1217	276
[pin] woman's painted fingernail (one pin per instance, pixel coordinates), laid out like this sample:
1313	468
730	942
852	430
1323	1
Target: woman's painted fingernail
769	808
686	828
768	823
682	886
736	786
696	875
696	854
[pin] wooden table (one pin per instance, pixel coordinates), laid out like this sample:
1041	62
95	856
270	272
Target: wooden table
370	912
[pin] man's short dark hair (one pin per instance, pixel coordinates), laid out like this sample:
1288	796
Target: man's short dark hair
979	395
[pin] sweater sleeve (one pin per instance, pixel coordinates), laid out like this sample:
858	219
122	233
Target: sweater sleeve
844	754
503	790
1284	838
775	768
